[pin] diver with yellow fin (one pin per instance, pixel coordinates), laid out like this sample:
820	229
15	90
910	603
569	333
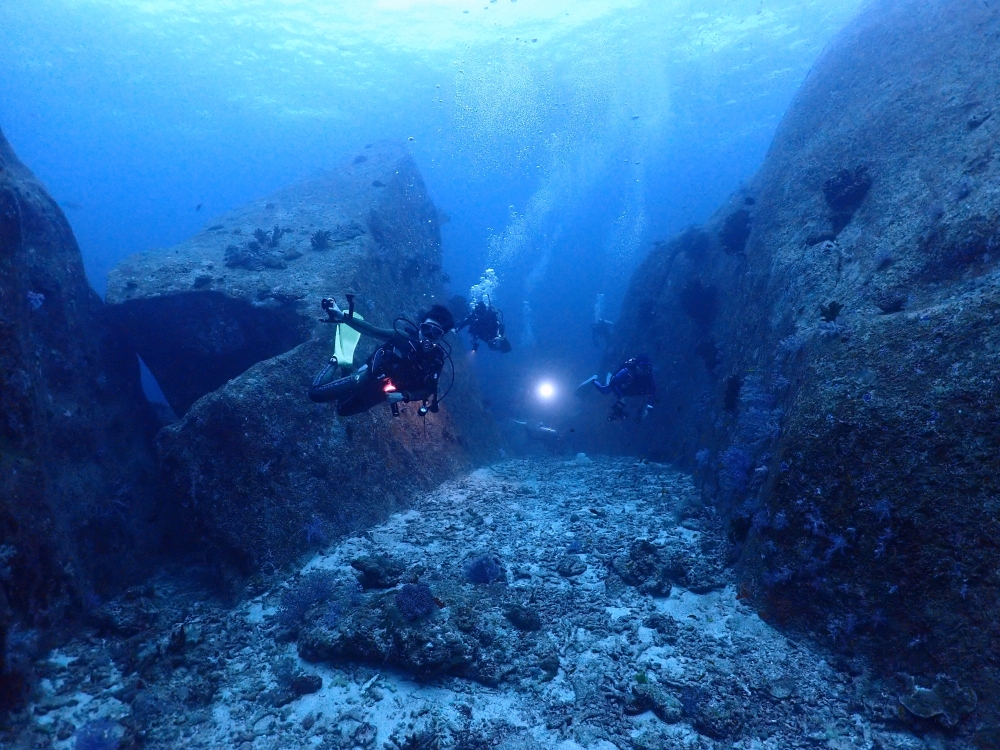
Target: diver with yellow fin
406	367
345	339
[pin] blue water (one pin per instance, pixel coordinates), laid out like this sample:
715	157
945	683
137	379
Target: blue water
561	137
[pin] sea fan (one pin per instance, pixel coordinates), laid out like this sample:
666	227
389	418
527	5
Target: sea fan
415	601
296	601
483	569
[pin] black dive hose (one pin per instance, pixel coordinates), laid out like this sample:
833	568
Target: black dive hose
442	343
447	355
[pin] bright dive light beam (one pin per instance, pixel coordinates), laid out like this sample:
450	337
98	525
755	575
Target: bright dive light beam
546	390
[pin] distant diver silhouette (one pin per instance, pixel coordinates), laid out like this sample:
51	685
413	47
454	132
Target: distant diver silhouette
485	323
634	378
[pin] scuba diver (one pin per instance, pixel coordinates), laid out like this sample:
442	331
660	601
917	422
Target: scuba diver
634	378
407	367
485	323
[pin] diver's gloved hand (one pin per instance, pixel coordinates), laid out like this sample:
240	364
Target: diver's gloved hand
336	315
642	414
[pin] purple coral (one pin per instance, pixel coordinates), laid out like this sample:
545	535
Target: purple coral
814	522
415	601
882	541
837	544
483	569
296	601
735	465
882	509
315	531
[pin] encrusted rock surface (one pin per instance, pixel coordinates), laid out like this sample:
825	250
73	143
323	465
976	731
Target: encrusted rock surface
77	508
606	667
229	323
263	474
827	353
248	287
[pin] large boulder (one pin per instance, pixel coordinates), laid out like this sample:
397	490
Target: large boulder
78	511
827	349
248	287
229	323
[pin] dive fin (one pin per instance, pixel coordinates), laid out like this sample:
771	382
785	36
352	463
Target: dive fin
345	342
584	387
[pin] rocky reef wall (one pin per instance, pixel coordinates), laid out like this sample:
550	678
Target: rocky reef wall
79	510
827	356
229	323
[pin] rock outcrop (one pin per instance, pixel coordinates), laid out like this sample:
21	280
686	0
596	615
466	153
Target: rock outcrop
248	287
827	351
229	323
78	511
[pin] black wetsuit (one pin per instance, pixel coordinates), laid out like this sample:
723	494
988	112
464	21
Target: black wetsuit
484	324
403	364
635	378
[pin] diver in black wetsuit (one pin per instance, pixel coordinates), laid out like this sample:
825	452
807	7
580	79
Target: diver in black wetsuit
485	323
407	367
634	378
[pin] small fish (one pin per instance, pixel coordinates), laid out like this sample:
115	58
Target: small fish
378	183
71	205
635	117
198	207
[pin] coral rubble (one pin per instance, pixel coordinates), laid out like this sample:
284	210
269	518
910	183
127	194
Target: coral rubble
534	659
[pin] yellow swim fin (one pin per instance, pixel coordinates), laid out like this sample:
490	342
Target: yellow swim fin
345	342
